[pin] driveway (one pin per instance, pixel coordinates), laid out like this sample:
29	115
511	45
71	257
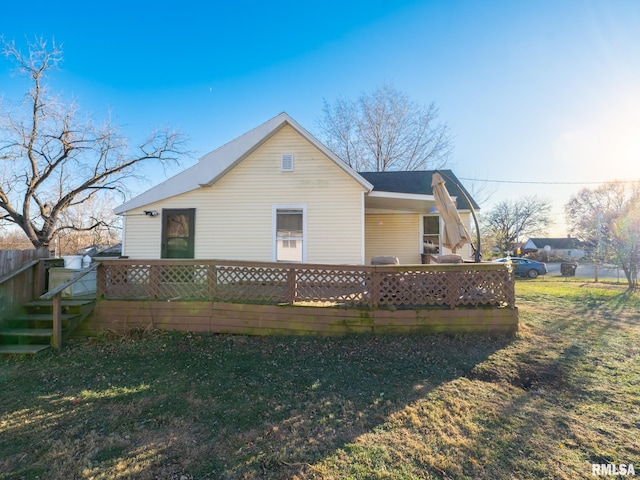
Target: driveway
587	270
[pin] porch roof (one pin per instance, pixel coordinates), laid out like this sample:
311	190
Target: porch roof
412	190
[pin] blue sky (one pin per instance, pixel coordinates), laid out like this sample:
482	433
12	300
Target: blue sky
538	91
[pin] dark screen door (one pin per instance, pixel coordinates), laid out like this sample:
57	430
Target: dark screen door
178	235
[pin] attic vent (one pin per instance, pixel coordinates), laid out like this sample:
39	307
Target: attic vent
286	162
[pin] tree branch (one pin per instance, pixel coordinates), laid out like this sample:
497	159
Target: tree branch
59	162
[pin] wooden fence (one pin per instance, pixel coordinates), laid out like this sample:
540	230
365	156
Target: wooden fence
21	278
249	297
12	260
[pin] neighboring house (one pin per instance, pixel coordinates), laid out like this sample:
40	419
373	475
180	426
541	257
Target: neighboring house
567	248
278	194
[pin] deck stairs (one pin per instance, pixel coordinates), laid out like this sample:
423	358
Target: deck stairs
31	331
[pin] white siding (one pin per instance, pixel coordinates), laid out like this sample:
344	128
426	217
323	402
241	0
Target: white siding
234	216
397	235
400	235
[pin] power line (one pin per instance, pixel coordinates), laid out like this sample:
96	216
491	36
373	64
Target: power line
548	183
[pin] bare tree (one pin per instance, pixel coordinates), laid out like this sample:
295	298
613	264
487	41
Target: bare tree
386	131
510	220
91	223
607	219
14	240
53	159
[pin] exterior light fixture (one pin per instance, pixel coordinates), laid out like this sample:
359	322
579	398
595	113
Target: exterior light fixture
151	213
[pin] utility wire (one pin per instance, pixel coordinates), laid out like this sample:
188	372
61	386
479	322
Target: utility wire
547	183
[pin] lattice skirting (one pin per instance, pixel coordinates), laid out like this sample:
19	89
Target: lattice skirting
249	319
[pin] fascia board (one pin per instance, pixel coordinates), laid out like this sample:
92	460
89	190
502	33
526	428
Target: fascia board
176	185
402	196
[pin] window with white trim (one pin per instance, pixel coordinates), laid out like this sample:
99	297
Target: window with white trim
289	241
286	162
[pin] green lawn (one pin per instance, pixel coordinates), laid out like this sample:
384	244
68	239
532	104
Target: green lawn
562	394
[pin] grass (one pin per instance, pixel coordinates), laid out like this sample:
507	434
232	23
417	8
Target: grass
547	403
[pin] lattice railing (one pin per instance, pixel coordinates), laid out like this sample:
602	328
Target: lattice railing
415	288
391	286
250	284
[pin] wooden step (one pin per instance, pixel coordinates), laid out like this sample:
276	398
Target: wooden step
64	303
22	349
18	338
41	317
26	332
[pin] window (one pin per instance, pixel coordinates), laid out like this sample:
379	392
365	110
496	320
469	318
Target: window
431	234
289	234
178	235
286	162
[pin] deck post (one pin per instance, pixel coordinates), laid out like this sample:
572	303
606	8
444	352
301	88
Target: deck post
375	288
452	289
291	286
56	338
38	279
212	282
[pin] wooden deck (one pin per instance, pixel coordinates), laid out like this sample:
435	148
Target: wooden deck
277	298
123	315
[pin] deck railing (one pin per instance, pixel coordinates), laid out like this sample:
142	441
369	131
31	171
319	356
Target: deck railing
363	286
55	295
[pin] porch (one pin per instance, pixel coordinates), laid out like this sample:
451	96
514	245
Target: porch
263	298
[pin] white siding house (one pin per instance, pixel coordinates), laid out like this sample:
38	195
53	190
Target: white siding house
275	194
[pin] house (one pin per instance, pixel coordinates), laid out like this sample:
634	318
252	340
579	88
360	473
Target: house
566	248
278	194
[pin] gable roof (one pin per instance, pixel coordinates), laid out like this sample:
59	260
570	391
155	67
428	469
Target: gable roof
419	182
563	243
214	165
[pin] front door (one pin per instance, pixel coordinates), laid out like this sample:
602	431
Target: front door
178	234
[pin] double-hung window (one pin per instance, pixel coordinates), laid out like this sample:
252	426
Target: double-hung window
289	241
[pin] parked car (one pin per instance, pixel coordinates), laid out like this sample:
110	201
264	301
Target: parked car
524	267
